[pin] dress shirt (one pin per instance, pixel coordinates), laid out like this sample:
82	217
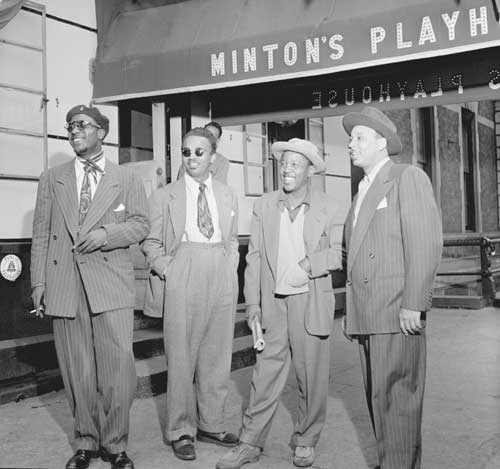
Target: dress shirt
191	231
79	172
365	184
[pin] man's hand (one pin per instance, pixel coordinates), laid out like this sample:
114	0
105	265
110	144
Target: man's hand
305	264
93	241
344	329
253	311
409	321
37	297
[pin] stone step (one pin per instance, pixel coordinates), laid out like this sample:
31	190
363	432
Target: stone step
33	367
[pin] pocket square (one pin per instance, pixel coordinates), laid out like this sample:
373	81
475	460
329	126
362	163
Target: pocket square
232	213
382	204
120	208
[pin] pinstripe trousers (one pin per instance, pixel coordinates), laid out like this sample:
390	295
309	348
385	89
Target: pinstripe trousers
95	356
201	289
394	368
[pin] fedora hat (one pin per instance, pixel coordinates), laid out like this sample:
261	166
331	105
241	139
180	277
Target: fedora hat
304	147
377	120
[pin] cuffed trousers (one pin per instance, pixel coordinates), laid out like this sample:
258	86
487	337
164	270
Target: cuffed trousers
394	368
95	354
200	303
287	342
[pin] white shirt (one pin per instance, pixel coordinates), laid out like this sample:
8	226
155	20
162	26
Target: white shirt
79	172
365	184
191	231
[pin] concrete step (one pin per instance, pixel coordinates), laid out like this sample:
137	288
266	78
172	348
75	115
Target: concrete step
33	369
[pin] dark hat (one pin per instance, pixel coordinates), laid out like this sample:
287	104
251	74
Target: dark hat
376	120
304	147
93	112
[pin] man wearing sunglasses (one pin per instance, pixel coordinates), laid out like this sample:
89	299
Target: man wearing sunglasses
88	212
193	254
219	167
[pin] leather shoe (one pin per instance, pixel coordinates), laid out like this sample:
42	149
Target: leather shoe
221	438
239	455
184	448
81	459
304	456
117	460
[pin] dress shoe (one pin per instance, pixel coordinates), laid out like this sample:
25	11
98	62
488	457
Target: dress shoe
239	455
184	448
221	438
81	459
117	460
304	456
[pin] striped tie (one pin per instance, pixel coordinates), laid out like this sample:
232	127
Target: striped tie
205	223
91	167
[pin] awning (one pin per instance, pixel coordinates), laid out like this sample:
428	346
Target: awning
153	47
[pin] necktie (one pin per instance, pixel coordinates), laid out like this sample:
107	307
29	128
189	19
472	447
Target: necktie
205	223
90	167
362	189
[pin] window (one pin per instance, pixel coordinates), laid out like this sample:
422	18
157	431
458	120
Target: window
468	149
23	113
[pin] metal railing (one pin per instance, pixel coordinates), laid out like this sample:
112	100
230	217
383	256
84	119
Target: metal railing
486	250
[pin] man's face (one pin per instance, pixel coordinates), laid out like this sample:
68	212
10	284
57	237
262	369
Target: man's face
214	131
295	170
88	140
365	147
197	156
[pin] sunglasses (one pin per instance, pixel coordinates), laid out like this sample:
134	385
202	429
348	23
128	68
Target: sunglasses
79	125
199	152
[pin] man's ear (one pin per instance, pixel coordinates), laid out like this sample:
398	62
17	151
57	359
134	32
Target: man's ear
101	133
310	170
212	157
381	143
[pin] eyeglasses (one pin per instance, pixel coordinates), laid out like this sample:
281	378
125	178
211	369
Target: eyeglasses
199	152
80	125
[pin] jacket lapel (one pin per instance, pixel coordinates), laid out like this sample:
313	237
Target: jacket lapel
224	208
65	194
177	208
108	189
377	191
314	220
271	217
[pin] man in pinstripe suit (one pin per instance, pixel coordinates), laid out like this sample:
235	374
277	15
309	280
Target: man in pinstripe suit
394	243
88	212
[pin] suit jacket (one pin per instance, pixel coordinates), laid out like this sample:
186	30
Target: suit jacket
120	206
394	250
323	244
167	207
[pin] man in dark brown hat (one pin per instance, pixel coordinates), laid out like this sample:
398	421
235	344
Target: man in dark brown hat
88	212
295	243
394	243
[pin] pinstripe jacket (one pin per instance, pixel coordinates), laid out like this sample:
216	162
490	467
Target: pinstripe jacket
393	252
323	240
120	206
168	221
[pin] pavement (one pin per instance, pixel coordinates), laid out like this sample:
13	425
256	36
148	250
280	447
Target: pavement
461	423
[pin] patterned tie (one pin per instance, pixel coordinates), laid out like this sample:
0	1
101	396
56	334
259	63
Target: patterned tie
205	223
90	167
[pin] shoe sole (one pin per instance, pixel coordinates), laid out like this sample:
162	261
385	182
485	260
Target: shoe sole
254	459
215	441
302	463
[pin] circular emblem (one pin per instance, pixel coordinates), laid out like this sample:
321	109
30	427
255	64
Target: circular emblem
11	267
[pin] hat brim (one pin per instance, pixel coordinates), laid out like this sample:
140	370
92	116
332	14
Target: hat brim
278	148
352	119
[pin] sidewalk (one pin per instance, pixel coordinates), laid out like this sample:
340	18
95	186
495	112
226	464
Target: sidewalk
461	427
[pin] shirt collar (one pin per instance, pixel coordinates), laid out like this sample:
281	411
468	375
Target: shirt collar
192	183
79	162
284	200
373	173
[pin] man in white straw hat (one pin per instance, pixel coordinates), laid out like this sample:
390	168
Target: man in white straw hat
295	241
394	242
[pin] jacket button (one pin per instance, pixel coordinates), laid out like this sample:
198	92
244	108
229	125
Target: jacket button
365	280
371	256
54	262
54	237
348	283
105	259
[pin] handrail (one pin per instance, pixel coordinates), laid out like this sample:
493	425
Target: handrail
486	250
